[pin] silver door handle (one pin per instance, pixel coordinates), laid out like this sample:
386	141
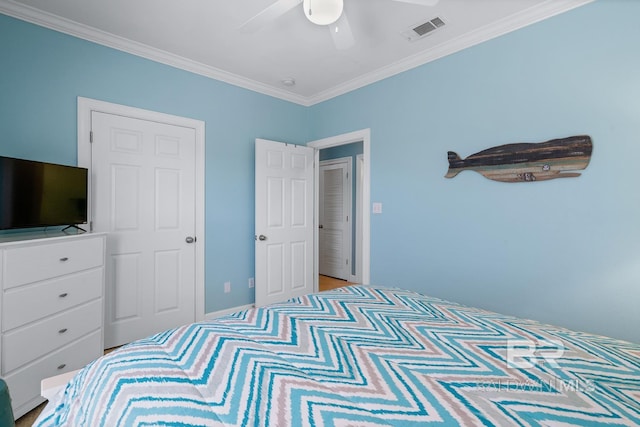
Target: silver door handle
190	239
262	237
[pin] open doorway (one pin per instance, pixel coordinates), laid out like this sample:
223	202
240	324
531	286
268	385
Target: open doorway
355	146
339	214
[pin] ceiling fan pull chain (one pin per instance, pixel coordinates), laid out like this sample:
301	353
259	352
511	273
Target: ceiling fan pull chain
310	12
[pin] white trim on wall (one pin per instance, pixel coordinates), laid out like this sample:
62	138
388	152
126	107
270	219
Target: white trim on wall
359	162
534	14
66	26
87	105
215	314
363	136
514	22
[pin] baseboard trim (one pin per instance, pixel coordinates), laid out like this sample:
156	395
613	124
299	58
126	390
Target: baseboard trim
219	313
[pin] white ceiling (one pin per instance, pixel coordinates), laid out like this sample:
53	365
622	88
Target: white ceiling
202	36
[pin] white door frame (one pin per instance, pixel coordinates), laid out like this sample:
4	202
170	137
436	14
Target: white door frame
363	136
357	278
87	105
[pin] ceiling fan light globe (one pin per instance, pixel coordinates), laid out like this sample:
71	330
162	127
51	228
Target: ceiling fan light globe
323	12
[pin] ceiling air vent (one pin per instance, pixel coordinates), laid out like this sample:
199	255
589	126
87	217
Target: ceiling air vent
418	31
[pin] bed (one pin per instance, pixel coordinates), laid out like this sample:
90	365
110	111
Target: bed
358	356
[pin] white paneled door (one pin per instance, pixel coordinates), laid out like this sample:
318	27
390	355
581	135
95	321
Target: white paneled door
283	221
334	231
143	195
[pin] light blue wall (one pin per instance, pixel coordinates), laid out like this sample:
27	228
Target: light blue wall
566	251
42	73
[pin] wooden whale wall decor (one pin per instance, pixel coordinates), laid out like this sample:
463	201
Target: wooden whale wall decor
520	162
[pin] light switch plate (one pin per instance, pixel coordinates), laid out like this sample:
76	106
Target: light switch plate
377	207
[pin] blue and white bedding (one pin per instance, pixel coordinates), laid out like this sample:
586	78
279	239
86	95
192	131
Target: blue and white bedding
358	356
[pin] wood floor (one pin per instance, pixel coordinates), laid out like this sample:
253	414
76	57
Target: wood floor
30	417
325	283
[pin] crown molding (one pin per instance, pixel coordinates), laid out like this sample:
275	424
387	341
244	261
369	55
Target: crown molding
72	28
514	22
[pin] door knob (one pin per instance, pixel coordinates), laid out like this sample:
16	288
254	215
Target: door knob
321	226
262	237
190	239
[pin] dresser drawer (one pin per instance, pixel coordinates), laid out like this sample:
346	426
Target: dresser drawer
26	344
24	384
29	303
33	263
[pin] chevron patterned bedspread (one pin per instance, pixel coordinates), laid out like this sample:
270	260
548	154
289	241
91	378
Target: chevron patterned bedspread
358	356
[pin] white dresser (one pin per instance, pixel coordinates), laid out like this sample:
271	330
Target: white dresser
52	310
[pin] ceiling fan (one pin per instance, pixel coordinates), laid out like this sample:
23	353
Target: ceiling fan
321	12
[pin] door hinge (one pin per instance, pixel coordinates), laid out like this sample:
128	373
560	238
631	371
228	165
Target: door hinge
91	136
347	218
347	262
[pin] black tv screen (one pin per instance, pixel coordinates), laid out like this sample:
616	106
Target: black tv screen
37	194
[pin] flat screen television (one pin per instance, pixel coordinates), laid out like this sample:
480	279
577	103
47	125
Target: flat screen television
37	194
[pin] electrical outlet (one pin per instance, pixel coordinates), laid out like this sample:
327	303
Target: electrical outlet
227	287
252	283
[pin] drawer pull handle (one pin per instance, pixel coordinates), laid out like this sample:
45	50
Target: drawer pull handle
63	295
62	366
63	259
62	331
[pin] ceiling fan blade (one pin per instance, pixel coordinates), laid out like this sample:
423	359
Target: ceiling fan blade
421	2
280	7
341	33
